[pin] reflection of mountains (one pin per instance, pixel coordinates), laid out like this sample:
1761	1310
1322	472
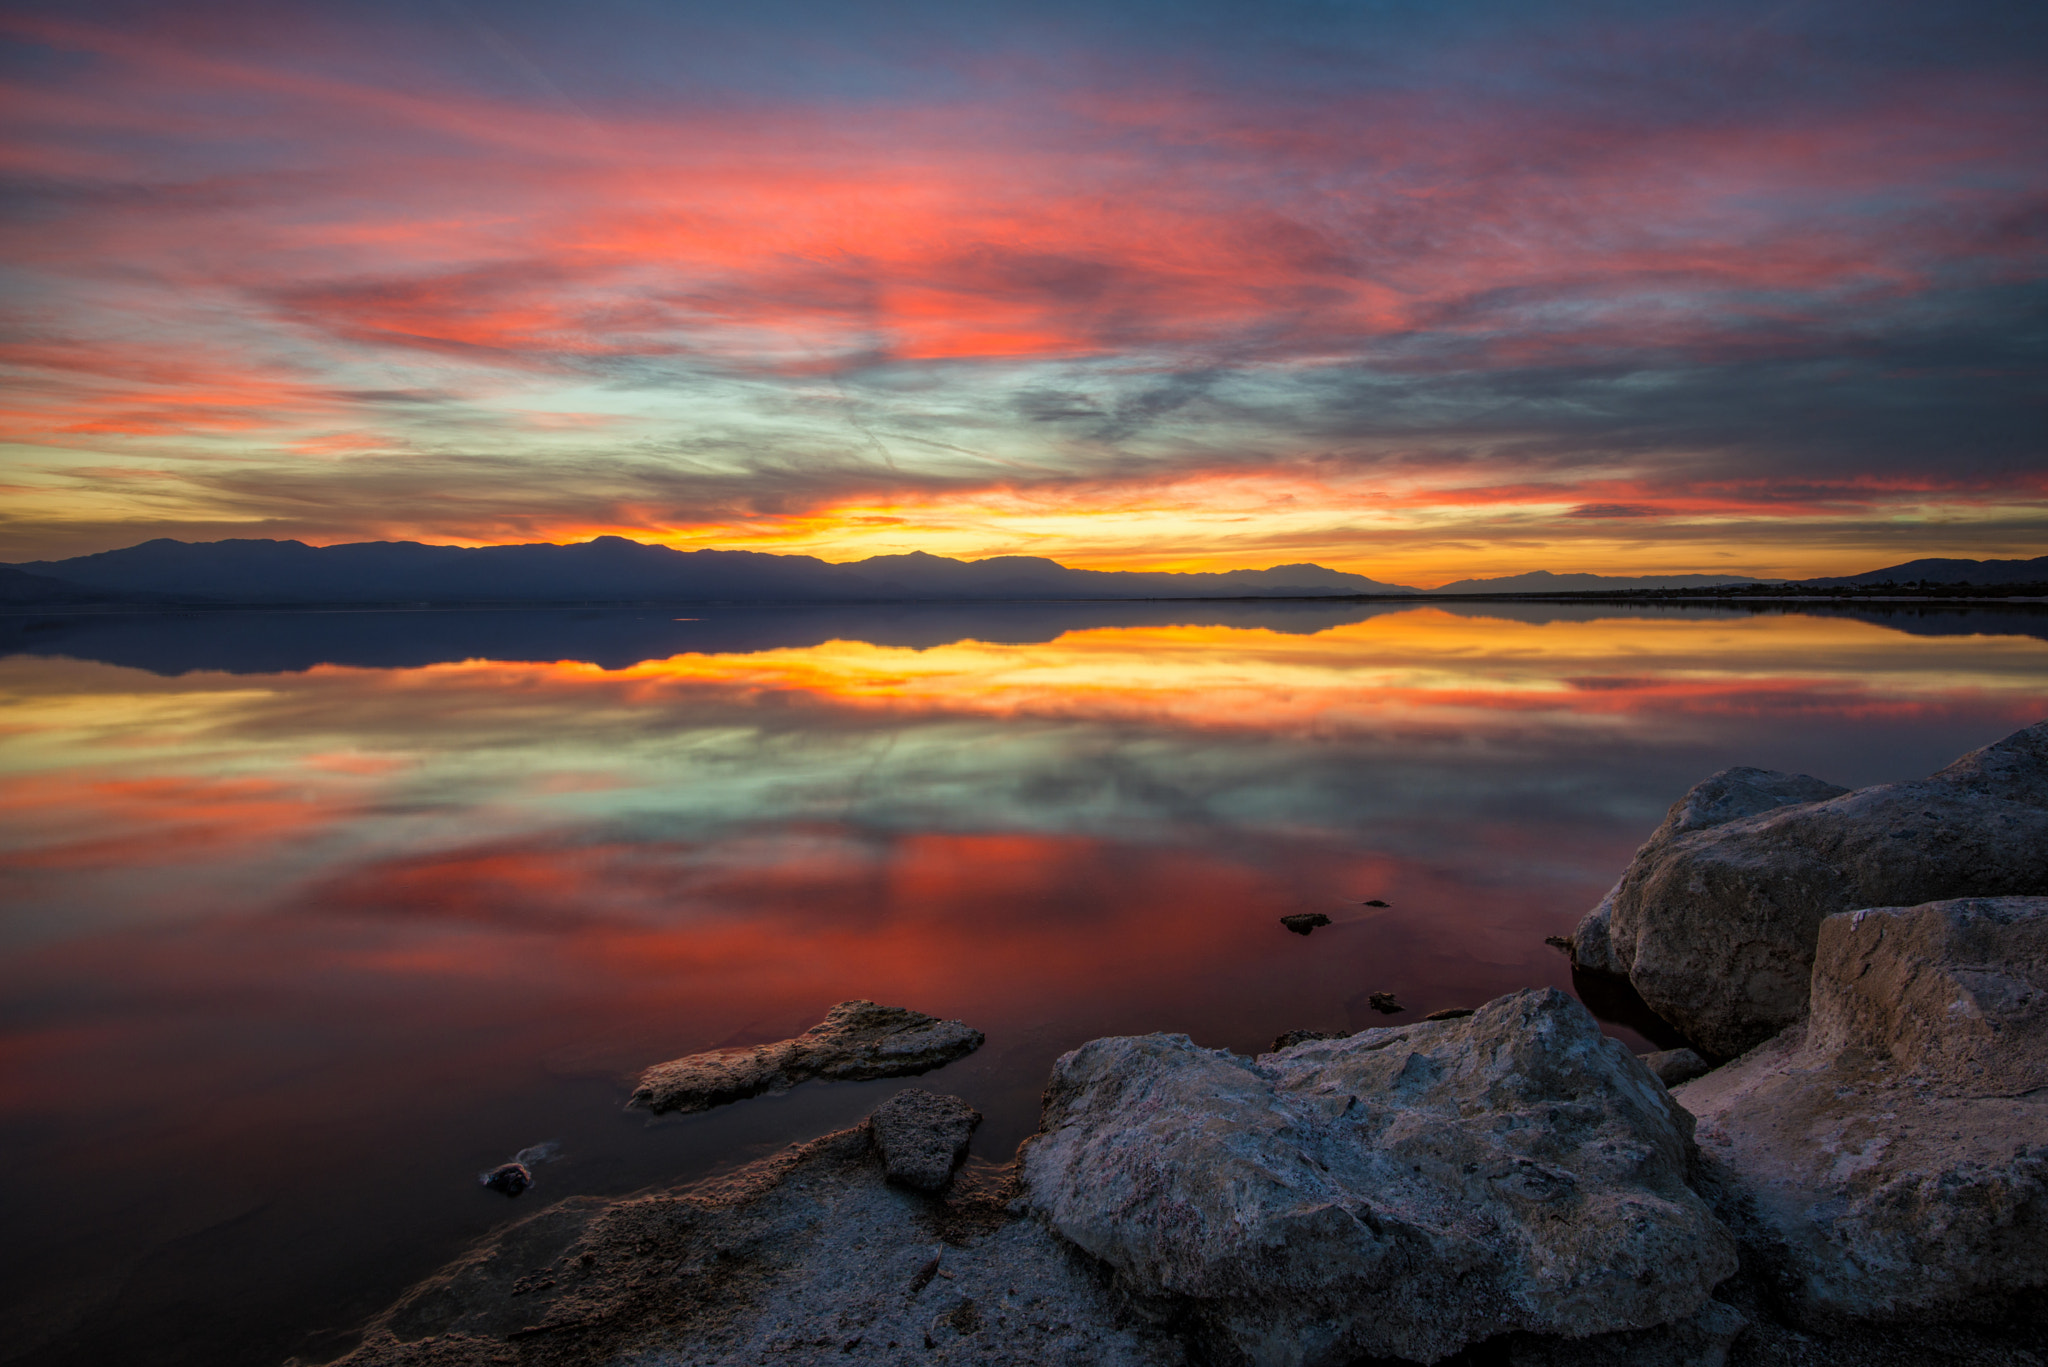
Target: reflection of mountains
266	642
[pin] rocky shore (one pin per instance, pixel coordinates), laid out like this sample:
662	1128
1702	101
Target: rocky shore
1849	1165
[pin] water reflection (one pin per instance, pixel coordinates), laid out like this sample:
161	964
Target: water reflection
300	939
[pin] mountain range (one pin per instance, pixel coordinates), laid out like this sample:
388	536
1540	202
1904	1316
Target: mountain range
614	569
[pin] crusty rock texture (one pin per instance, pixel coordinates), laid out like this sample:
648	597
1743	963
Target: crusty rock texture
1727	796
923	1137
1715	920
1673	1066
1403	1192
1888	1160
809	1257
856	1041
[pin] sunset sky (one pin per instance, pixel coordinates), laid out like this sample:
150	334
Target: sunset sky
1421	290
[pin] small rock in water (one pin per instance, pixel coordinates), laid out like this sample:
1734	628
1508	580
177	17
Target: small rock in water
1294	1037
1384	1003
1449	1013
1375	902
509	1178
1562	943
1303	922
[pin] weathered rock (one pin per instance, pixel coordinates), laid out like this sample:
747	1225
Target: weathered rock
856	1041
1449	1013
1715	924
923	1137
1954	992
1888	1160
1700	1340
1386	1003
1290	1038
1301	923
1727	796
807	1258
1673	1066
1403	1192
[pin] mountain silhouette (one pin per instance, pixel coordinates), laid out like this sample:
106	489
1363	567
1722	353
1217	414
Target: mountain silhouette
614	569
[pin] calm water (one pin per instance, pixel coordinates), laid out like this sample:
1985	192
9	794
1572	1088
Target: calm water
309	917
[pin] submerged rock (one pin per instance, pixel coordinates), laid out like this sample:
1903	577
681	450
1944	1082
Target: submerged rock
1385	1003
1888	1159
1715	921
1303	922
923	1137
510	1179
856	1041
1403	1192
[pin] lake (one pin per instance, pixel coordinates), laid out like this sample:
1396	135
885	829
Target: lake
311	916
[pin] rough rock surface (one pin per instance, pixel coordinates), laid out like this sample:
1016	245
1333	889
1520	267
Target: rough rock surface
1727	796
1673	1066
1288	1039
809	1257
922	1137
1403	1192
1888	1160
856	1041
1715	924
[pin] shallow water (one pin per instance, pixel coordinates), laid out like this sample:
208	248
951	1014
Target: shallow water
312	917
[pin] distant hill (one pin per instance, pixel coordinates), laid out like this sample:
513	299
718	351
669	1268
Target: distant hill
1543	581
21	589
1985	572
614	569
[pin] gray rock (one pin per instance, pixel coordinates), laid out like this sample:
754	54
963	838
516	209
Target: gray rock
1289	1038
1889	1159
1700	1340
856	1041
1715	924
807	1258
1673	1066
1403	1192
1728	796
922	1137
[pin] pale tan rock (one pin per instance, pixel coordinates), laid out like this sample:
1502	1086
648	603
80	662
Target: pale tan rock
856	1041
1889	1160
1715	923
1727	796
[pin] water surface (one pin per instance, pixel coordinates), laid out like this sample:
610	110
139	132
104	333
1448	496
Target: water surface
311	916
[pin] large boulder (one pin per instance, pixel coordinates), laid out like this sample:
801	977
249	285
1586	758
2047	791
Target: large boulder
1715	923
1727	796
1888	1159
856	1042
1403	1192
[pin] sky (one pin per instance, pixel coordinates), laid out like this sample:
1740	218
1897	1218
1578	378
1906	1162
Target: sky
1423	291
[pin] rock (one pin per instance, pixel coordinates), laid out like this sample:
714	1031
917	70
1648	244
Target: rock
1375	902
1384	1003
1700	1340
1449	1013
1727	796
1294	1037
1303	922
922	1137
1559	942
1403	1192
509	1178
1673	1066
857	1040
1888	1159
809	1257
1715	925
